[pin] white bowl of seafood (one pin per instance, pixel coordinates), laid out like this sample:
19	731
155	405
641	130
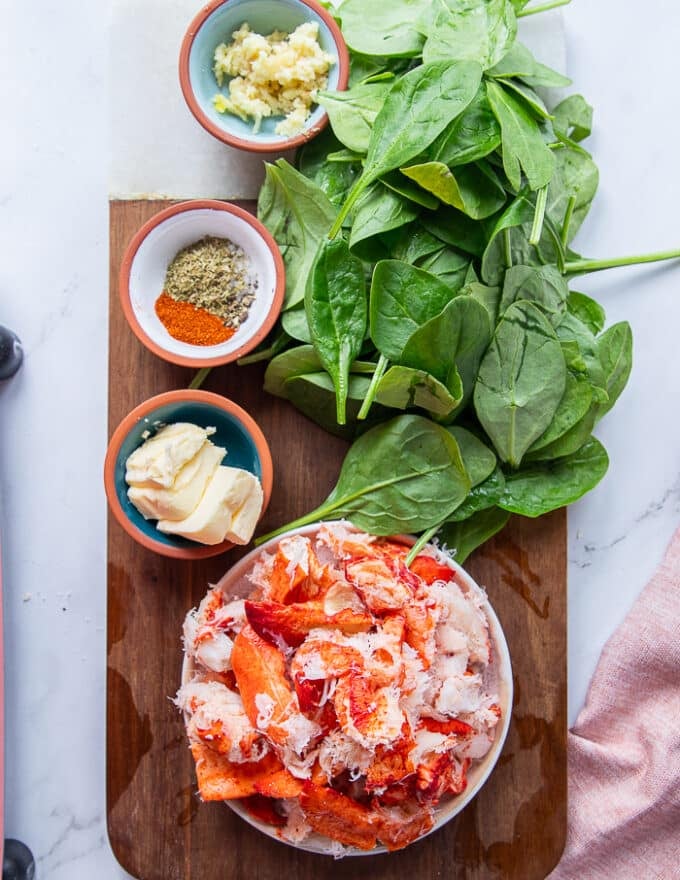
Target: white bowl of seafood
339	700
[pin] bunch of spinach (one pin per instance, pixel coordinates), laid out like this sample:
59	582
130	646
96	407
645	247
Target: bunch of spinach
426	236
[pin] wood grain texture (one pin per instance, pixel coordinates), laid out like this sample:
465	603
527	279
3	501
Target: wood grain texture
158	828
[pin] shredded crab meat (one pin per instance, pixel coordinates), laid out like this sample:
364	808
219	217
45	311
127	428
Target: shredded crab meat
216	717
209	630
352	690
296	829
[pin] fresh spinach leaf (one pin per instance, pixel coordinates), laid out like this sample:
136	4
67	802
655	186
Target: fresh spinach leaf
472	135
571	191
509	242
573	118
401	476
499	254
415	244
521	381
528	96
571	441
336	307
524	149
462	538
479	460
409	190
471	30
452	343
384	27
615	353
481	497
403	387
343	156
417	109
519	62
294	322
366	68
473	189
335	179
402	298
586	310
449	266
472	277
489	297
352	113
379	210
544	486
314	395
574	405
293	362
298	214
456	229
300	361
544	286
572	330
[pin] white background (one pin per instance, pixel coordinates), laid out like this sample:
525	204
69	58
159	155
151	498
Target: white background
54	96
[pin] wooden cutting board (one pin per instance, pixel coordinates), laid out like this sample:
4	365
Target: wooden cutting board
158	828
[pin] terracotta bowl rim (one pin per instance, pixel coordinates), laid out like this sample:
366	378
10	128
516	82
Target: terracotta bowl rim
194	551
131	252
291	143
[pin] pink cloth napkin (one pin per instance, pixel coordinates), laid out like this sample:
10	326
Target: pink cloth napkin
624	751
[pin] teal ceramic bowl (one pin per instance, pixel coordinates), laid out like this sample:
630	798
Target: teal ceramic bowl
236	431
214	25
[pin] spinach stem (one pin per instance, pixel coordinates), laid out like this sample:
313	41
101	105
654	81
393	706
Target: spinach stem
539	215
584	266
378	373
354	194
564	234
507	249
341	402
424	539
200	378
264	354
329	506
305	520
544	7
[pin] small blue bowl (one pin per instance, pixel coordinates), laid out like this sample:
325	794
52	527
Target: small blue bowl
235	430
214	25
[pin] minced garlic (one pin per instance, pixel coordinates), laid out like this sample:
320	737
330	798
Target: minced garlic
276	75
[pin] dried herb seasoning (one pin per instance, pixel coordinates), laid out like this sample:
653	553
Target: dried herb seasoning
213	274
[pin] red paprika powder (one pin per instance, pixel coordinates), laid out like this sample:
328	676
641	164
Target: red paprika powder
187	323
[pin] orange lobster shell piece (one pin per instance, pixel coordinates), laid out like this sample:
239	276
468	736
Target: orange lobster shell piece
223	780
260	669
339	817
294	622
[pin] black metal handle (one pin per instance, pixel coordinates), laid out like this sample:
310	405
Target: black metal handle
18	862
11	353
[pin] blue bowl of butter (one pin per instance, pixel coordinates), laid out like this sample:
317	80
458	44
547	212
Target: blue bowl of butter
193	428
214	26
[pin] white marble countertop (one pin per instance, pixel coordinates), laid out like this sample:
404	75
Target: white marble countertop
53	292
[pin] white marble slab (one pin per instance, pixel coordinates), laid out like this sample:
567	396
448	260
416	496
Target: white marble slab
55	93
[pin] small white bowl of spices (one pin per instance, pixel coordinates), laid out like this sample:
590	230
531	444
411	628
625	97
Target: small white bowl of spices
202	283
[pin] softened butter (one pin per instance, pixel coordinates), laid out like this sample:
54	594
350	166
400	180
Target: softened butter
176	477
